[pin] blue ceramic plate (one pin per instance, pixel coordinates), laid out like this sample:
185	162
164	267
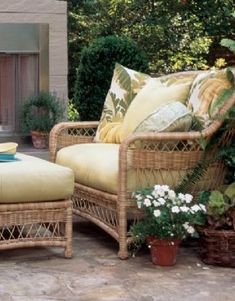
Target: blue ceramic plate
8	158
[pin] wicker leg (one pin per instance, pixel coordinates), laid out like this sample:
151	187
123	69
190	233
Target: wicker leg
122	216
68	253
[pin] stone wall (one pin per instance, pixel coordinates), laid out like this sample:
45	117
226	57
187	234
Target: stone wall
54	13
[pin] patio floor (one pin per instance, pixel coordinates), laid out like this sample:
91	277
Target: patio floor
95	272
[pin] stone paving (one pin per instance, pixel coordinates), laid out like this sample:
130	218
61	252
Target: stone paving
96	274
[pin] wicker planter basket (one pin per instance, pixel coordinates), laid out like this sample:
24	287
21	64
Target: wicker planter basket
217	247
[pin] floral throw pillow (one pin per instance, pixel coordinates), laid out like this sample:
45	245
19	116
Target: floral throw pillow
126	83
209	92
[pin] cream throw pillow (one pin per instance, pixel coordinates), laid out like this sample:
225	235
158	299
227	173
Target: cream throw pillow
172	117
149	99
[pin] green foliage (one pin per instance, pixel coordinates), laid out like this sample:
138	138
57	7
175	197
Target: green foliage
176	35
96	68
40	112
228	43
219	205
73	114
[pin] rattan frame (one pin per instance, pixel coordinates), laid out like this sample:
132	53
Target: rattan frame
44	224
146	153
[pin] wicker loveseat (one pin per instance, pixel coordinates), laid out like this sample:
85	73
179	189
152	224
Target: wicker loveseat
148	158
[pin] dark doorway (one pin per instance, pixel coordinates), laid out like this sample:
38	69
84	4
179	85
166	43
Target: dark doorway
19	78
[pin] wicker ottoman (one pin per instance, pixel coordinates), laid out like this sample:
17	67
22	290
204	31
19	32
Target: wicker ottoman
35	209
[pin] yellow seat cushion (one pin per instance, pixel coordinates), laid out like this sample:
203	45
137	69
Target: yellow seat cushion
32	179
94	164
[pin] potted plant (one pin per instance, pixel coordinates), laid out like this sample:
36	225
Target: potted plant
217	236
169	217
39	114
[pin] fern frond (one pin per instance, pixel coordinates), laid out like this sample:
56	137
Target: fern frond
194	175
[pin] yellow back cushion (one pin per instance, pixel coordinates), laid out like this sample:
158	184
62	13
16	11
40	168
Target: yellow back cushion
150	98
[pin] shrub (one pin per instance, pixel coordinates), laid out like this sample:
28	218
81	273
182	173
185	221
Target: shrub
40	112
96	68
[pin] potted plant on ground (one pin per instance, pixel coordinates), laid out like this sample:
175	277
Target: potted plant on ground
217	236
39	114
168	218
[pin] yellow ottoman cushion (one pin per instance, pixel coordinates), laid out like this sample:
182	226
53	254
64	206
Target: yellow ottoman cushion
32	179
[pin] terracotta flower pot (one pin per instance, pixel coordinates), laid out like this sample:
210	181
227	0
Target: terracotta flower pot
164	251
39	139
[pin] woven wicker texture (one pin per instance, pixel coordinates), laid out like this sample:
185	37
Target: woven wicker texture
163	156
217	247
36	224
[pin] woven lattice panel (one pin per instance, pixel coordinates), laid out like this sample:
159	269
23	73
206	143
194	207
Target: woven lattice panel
102	212
76	135
32	231
168	146
36	224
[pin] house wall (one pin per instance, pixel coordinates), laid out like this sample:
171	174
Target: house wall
54	13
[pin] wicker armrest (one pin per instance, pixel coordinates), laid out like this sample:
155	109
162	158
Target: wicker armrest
69	133
162	151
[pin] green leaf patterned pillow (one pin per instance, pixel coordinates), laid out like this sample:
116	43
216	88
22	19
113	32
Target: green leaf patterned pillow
126	83
209	92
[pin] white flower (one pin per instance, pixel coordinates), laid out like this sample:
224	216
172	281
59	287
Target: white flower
195	208
138	197
154	194
175	209
161	201
203	207
171	194
161	192
186	225
165	188
157	187
156	204
188	198
139	203
190	230
184	208
149	196
156	213
181	196
147	202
